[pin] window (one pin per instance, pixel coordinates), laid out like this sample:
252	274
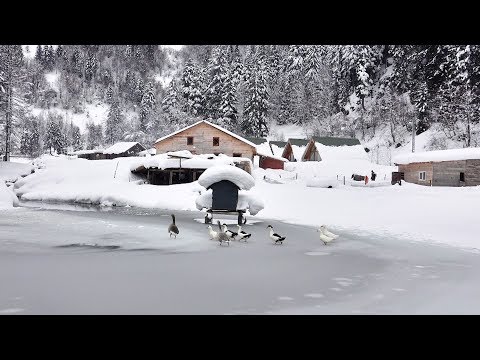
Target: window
237	155
216	141
462	176
190	140
422	175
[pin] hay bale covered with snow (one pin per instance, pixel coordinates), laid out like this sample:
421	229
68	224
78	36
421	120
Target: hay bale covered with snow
215	174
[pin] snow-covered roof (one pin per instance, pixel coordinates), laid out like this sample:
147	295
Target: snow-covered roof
264	148
208	123
231	173
438	155
185	154
202	161
151	151
120	147
261	153
84	152
277	147
337	153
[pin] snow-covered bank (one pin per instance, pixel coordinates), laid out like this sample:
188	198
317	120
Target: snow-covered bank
413	212
10	171
7	198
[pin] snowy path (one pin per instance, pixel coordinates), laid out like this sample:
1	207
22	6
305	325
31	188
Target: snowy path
42	273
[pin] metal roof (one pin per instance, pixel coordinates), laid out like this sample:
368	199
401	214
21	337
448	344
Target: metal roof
336	141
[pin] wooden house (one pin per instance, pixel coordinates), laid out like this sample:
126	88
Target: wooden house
203	137
123	149
455	167
294	149
312	151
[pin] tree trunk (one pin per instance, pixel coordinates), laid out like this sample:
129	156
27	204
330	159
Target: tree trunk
8	118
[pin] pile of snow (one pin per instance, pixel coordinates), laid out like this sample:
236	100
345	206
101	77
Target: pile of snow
323	182
438	155
120	147
246	201
148	152
181	154
102	182
239	177
7	198
341	153
11	171
264	148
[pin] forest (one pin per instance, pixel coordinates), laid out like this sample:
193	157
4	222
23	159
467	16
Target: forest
365	91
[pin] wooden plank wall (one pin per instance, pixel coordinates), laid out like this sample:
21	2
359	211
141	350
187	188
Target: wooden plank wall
411	172
203	135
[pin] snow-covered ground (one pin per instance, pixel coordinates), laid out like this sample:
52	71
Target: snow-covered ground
412	212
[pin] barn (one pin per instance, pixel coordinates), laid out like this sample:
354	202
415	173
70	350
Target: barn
317	144
203	137
265	158
294	149
123	149
454	167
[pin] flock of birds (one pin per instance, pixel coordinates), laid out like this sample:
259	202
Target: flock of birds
225	235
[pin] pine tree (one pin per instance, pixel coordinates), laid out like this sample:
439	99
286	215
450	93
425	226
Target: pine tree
113	124
90	66
39	54
94	136
54	139
217	71
256	104
138	90
170	101
147	105
30	141
76	138
192	89
228	109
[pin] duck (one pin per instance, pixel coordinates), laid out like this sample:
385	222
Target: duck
172	228
213	234
242	235
275	237
230	233
326	239
328	233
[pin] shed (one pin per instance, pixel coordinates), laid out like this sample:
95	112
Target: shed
96	154
454	167
267	161
313	150
294	149
123	149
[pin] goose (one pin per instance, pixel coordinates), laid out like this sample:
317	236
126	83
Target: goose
230	233
242	234
221	236
328	233
172	228
274	236
326	239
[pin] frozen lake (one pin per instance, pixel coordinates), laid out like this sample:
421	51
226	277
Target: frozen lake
63	259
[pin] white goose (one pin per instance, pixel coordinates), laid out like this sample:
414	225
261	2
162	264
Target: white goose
275	237
212	233
242	235
326	239
328	233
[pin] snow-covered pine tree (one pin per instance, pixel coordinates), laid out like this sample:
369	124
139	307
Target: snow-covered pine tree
76	141
216	73
30	141
90	66
170	99
193	89
147	105
109	95
113	124
94	136
138	90
228	109
39	54
256	104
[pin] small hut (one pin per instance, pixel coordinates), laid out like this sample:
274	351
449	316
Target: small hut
316	144
294	149
123	149
223	184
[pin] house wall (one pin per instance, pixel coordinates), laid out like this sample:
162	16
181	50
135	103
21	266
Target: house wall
472	173
447	173
411	172
203	135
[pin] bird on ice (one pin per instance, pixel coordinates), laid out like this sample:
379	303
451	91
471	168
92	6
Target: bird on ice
328	233
274	236
172	228
242	235
221	236
231	234
213	234
326	239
